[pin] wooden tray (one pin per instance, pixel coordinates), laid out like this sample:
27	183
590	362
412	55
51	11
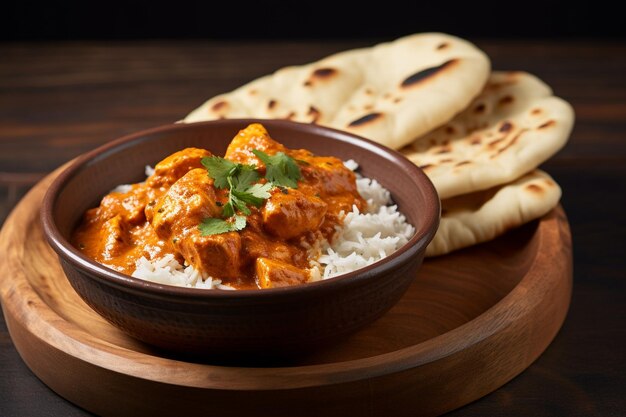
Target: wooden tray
469	323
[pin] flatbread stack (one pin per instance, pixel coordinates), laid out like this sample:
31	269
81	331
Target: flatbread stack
479	135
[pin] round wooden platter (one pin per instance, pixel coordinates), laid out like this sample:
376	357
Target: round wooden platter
470	322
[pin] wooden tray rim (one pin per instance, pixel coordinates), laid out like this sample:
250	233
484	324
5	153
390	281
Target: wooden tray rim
129	362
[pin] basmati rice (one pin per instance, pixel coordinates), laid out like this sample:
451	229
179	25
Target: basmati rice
364	238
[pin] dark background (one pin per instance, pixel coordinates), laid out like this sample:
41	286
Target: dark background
59	99
306	19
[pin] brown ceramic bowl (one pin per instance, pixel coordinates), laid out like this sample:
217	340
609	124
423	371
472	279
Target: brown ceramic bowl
278	320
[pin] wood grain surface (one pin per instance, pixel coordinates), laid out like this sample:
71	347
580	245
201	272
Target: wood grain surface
470	322
58	100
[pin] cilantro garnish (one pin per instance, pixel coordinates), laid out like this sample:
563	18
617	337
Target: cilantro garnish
281	169
241	180
213	226
219	169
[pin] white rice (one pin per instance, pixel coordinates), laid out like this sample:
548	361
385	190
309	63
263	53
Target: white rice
364	238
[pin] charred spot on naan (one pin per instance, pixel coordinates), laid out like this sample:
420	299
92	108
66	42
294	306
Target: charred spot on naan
220	107
546	124
314	113
366	120
508	99
271	104
536	112
480	108
493	143
423	75
506	126
509	144
443	45
534	189
321	75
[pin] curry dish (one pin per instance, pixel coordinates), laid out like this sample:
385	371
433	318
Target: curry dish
249	234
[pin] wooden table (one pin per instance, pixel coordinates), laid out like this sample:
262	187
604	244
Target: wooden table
58	100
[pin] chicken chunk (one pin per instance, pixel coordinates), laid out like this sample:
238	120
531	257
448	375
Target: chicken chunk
257	245
271	273
177	215
327	174
252	137
216	255
130	205
169	170
191	199
289	213
117	238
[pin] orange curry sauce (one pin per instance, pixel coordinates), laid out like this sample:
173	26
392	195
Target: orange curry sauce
161	216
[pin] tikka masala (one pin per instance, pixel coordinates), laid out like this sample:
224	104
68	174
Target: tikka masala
165	214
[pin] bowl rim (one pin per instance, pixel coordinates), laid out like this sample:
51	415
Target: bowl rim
111	277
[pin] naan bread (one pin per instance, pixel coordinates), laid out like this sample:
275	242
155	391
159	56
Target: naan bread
513	126
481	216
390	93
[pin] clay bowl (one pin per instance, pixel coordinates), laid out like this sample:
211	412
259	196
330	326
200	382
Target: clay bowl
273	321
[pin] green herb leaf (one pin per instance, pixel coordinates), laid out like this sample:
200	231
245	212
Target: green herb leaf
238	203
228	210
260	190
281	169
241	180
239	222
212	226
246	198
245	176
219	169
243	192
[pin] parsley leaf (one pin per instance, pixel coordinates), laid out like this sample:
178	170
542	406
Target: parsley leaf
254	195
260	190
241	181
213	226
281	169
244	176
237	203
243	192
219	169
228	210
